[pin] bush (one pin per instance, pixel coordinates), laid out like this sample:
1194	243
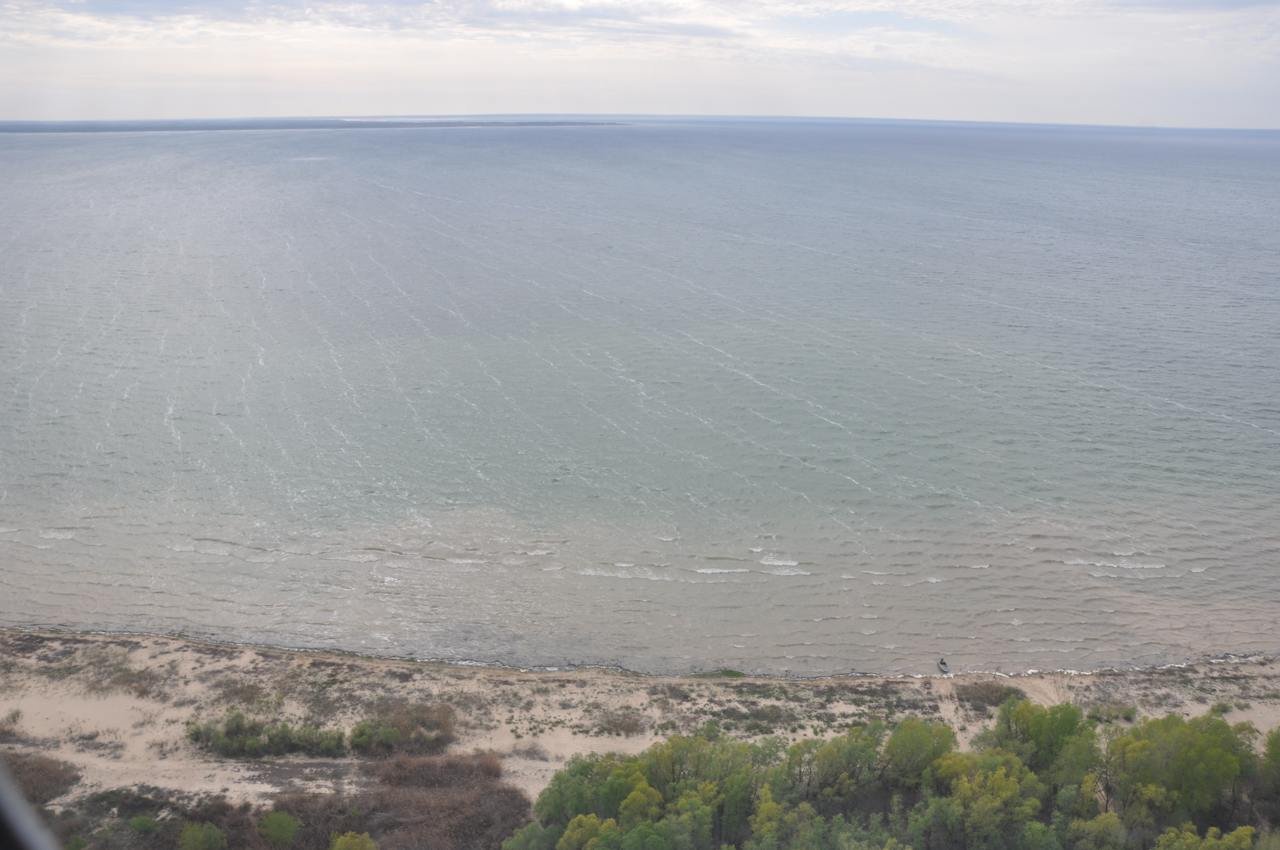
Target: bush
9	725
439	771
404	727
279	829
202	836
143	824
353	841
40	778
625	722
472	817
240	737
1112	713
322	816
987	695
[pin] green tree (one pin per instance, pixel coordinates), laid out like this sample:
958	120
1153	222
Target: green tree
1268	793
1187	838
582	831
644	803
1105	832
766	822
1054	742
353	841
1169	770
535	836
914	745
201	836
143	824
279	829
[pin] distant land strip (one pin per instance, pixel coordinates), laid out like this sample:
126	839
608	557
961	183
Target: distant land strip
178	125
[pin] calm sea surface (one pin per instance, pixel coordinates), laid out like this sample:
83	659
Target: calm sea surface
796	397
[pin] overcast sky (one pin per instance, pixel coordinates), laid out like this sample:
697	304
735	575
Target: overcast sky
1147	62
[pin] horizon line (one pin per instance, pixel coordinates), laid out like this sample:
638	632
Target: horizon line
548	118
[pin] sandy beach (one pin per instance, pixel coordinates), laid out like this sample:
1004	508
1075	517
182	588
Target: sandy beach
117	707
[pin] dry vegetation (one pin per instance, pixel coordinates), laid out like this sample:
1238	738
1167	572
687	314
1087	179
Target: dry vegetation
174	731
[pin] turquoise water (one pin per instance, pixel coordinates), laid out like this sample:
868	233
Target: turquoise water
784	396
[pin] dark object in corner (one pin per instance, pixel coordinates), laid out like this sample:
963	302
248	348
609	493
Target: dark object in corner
19	826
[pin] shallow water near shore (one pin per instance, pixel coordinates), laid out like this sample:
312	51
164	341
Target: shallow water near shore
782	396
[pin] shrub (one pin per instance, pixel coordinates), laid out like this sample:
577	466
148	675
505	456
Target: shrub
202	836
1112	713
40	778
987	695
240	736
722	673
405	727
9	725
143	824
439	771
353	841
472	817
322	816
279	829
620	721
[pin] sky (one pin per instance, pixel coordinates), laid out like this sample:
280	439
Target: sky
1197	63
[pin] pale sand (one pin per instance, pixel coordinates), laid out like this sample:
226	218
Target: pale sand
117	706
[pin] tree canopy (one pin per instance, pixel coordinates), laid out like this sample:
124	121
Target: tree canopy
1042	778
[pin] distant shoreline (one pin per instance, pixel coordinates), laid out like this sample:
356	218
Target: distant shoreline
235	124
712	671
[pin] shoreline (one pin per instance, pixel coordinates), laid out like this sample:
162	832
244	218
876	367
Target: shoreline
1221	657
117	706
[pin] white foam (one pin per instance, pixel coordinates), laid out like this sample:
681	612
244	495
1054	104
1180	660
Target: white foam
354	557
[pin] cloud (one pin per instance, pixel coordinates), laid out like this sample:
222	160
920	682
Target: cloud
1119	61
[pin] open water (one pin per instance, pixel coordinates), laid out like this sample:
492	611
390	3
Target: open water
784	396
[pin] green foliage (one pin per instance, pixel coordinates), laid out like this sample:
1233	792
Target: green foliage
1268	797
914	745
202	836
278	829
402	727
1039	780
1186	838
353	841
1034	733
1166	771
143	824
1105	832
1112	713
238	736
